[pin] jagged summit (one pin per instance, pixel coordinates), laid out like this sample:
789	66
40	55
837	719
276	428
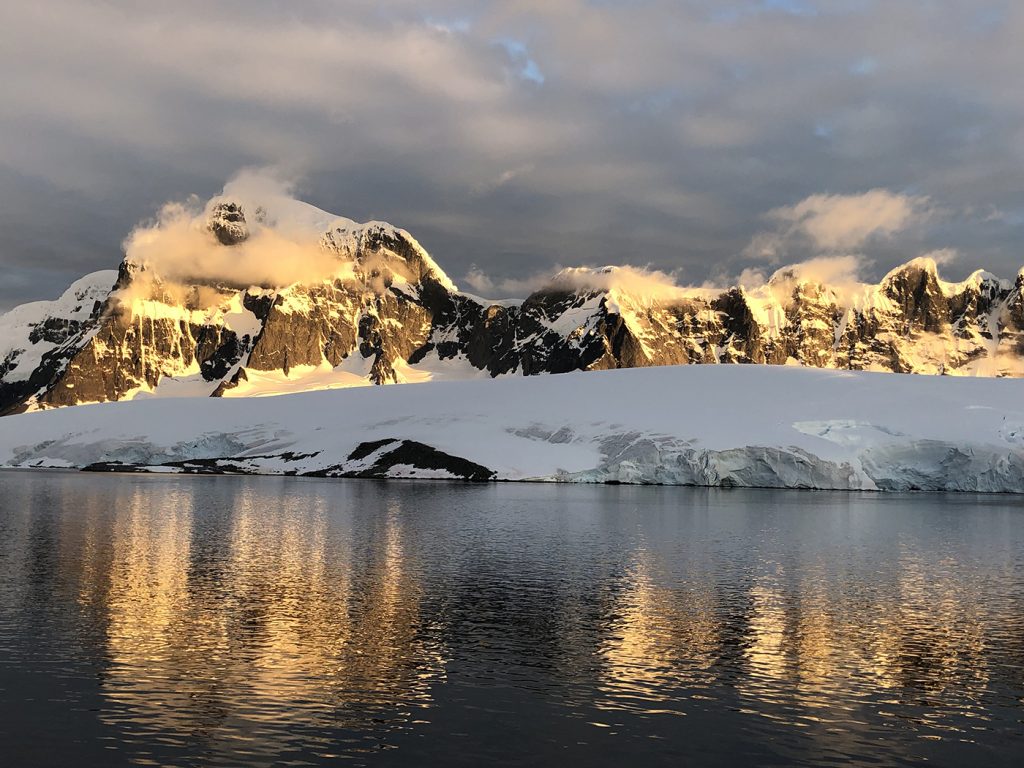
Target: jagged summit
228	224
256	293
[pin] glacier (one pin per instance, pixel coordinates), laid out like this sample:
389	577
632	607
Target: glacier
728	426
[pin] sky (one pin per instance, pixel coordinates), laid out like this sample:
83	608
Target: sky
706	140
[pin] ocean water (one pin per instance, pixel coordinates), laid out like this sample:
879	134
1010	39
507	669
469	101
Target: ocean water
230	621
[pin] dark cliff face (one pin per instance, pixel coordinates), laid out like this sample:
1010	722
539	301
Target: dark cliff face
130	351
742	332
396	309
916	292
813	317
305	335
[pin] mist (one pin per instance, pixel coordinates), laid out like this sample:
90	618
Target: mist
283	246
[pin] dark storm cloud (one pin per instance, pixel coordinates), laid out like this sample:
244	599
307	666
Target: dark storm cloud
516	135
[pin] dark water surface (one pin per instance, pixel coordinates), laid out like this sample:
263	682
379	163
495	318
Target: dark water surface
272	621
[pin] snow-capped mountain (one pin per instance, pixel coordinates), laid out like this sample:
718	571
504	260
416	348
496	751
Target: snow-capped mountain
211	309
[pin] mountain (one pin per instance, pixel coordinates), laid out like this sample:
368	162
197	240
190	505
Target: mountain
213	313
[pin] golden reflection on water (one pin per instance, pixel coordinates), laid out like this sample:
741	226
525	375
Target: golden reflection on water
933	637
245	616
924	633
292	626
661	639
814	649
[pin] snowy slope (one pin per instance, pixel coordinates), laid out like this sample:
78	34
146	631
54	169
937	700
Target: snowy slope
705	425
30	331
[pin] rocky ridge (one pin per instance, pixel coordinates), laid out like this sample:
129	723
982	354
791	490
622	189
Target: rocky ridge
391	315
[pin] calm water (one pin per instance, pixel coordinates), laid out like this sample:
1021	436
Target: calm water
266	621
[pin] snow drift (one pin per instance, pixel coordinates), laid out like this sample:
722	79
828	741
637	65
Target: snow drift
757	426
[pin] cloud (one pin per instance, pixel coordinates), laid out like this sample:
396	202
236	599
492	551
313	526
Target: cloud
843	222
414	111
503	178
843	277
827	270
834	223
509	287
840	275
943	256
650	285
749	279
642	283
283	244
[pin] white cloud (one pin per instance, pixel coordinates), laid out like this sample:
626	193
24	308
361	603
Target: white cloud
504	178
503	288
749	279
839	223
283	244
839	274
827	270
641	282
943	256
407	111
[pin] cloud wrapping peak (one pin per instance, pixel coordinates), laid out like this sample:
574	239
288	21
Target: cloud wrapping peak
283	245
642	283
825	270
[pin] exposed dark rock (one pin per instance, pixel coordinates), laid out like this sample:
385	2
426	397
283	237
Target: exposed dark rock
217	351
260	304
323	329
915	289
406	453
114	466
743	334
68	336
365	449
224	386
227	222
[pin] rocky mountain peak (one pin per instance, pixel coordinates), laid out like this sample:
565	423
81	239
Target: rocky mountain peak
256	297
381	253
228	224
916	291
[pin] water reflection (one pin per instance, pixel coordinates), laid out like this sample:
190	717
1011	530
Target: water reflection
660	639
251	619
264	621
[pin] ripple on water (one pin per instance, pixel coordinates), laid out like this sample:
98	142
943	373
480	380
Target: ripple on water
219	621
